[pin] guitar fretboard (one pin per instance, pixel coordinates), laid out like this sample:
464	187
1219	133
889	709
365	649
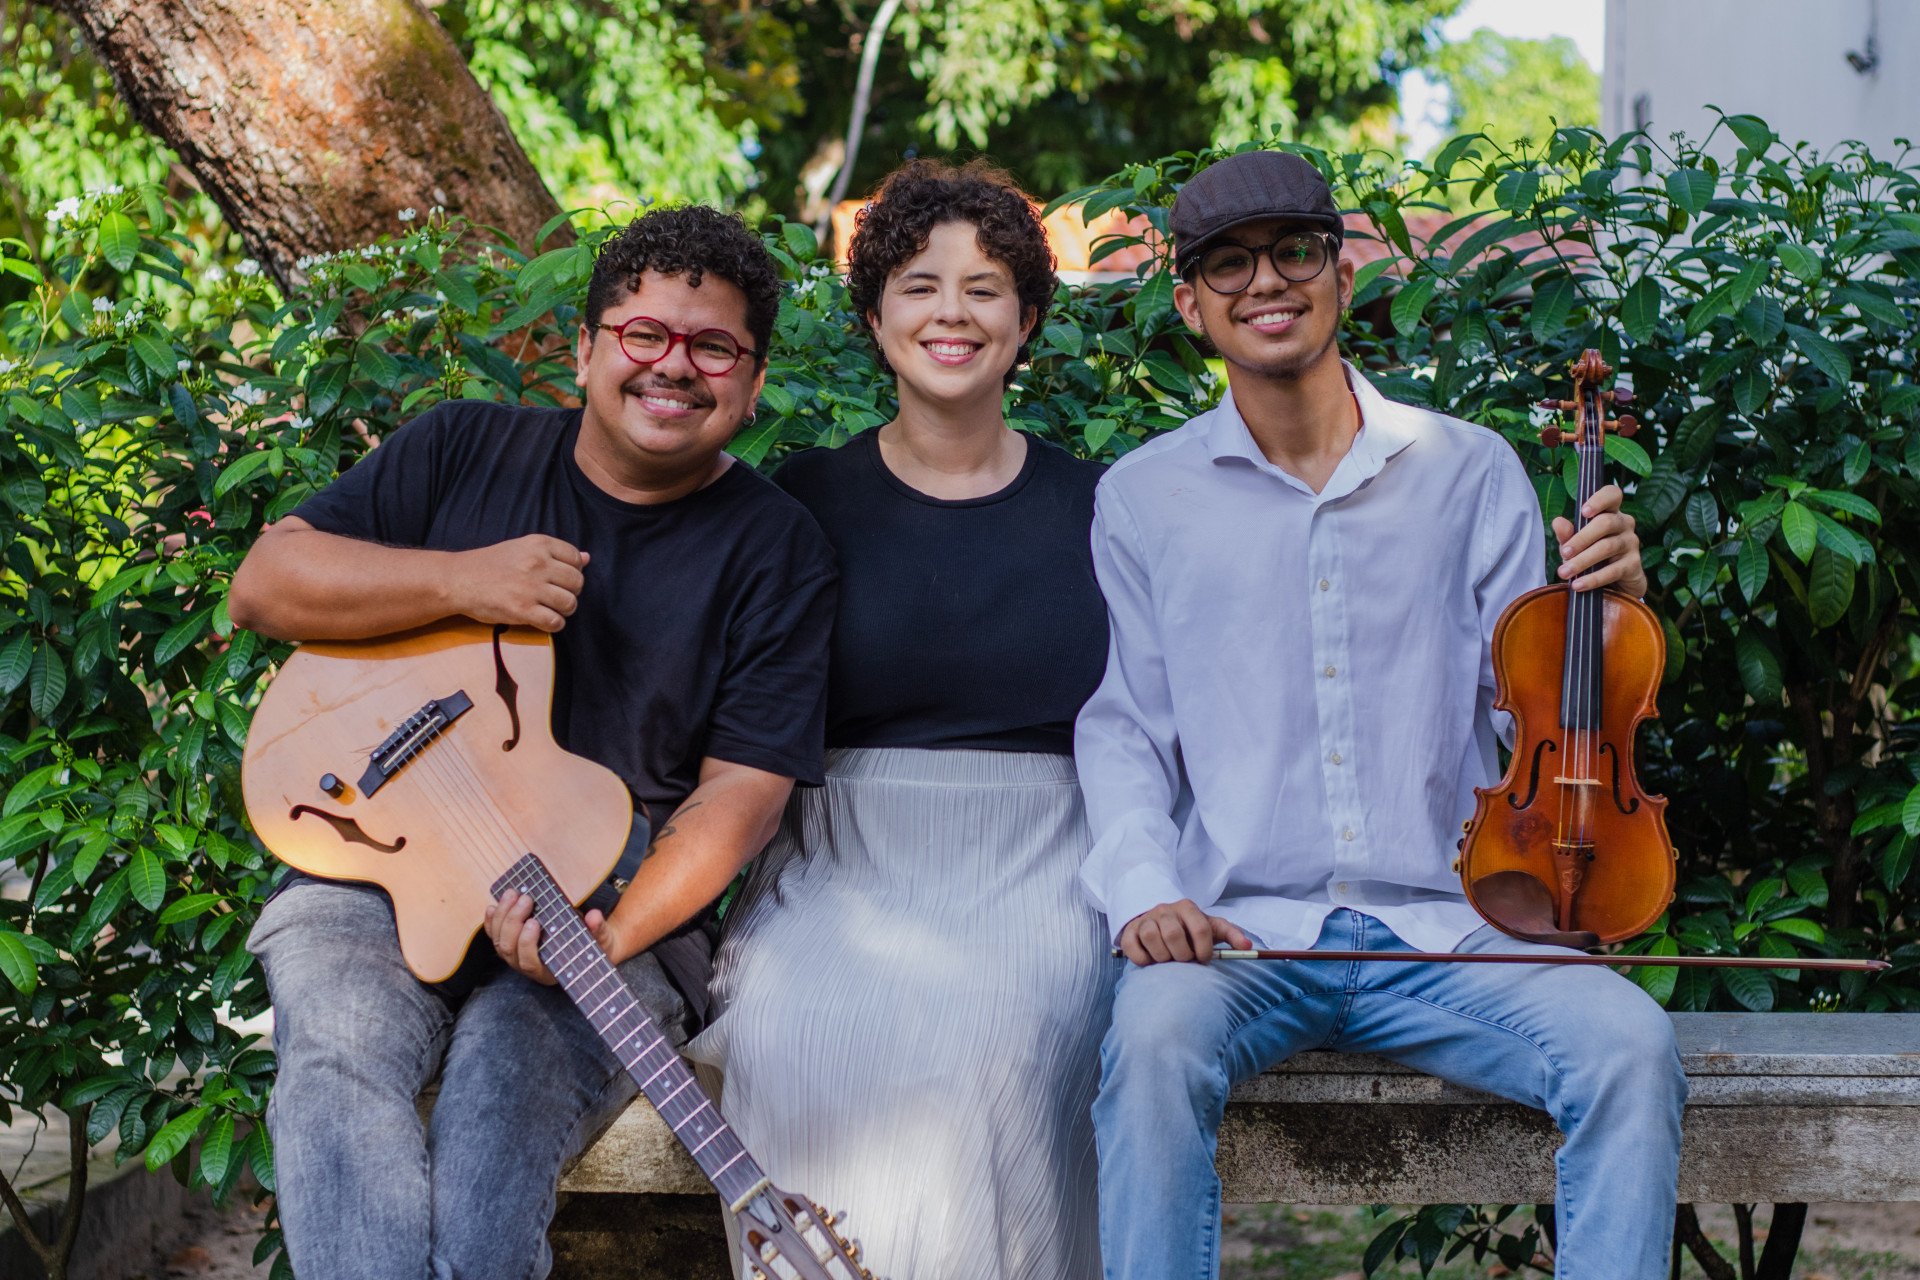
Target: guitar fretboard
597	988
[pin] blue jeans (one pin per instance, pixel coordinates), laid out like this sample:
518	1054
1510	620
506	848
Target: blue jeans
1584	1044
365	1193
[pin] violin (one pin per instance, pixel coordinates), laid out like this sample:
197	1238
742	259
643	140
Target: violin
1568	848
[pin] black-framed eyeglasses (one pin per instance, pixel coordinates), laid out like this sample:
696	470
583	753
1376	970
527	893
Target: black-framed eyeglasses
646	341
1299	257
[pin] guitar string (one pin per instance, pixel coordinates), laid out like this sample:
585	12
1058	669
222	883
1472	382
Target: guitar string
462	846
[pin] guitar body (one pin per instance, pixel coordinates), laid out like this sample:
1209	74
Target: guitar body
487	788
423	762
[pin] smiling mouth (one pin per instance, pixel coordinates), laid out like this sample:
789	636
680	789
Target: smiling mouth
1272	322
947	352
666	404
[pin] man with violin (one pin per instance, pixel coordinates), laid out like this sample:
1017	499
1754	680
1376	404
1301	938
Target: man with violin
1303	587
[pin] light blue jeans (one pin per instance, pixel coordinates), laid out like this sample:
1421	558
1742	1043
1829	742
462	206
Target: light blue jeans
367	1193
1584	1044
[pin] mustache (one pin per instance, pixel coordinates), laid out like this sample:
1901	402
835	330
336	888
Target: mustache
641	383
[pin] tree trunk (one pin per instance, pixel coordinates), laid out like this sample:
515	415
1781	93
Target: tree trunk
312	123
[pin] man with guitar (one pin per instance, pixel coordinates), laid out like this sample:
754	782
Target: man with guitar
691	602
1303	584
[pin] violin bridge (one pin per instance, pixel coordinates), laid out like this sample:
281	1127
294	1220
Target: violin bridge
1578	782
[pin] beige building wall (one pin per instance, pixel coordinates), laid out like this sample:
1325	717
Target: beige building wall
1785	61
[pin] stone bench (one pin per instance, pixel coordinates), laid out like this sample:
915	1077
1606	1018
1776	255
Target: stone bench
1784	1108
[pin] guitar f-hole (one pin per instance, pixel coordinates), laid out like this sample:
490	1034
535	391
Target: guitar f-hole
507	687
1606	749
347	829
1533	778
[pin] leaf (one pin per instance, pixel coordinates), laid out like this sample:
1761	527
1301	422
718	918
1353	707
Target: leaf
459	291
1690	189
1640	308
1658	982
800	240
15	658
1629	455
1752	132
1829	587
1411	303
181	635
1676	650
146	878
1759	669
119	240
324	387
1751	987
1910	812
156	355
1516	191
1750	386
1800	529
1751	277
240	472
1803	262
1365	276
1825	354
1703	515
1795	927
188	907
16	962
1751	569
174	1137
216	1150
1762	320
1840	500
1553	301
46	680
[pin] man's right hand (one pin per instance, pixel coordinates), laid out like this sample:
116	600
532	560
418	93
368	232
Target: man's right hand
532	581
1178	931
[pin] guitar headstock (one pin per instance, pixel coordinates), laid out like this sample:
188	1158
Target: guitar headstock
1589	372
788	1237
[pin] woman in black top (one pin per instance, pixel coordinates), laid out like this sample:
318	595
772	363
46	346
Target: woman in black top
914	986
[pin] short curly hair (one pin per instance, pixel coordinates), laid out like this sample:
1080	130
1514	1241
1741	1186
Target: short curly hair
923	194
691	240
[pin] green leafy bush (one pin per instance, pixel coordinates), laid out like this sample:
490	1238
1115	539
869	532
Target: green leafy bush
155	413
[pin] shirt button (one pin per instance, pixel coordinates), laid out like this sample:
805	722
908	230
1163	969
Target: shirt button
1342	886
1347	834
1335	757
1324	584
1329	673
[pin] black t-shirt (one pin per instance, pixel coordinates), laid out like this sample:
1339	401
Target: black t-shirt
970	623
702	628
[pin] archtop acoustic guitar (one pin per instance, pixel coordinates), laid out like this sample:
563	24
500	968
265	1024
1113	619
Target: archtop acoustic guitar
424	763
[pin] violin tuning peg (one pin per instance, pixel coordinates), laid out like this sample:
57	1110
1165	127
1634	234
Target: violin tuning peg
1627	425
1552	437
1622	397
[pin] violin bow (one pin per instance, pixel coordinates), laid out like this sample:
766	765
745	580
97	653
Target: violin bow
1508	957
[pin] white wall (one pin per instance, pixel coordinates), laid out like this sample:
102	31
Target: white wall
1782	60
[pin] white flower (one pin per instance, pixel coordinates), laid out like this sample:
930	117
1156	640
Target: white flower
300	423
7	366
247	267
102	304
247	393
407	215
183	365
67	208
216	273
111	189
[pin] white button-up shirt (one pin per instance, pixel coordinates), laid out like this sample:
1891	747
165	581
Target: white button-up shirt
1298	697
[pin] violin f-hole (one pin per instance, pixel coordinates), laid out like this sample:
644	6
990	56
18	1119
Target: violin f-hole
507	687
1606	749
1533	777
347	829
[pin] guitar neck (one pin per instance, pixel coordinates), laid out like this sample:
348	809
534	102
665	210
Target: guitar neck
597	988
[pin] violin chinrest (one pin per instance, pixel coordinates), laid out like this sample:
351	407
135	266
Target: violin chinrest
1522	905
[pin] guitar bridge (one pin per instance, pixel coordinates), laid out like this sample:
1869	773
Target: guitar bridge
413	735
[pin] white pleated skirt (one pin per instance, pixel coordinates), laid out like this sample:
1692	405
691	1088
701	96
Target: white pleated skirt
913	992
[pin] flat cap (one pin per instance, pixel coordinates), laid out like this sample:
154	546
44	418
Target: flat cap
1246	188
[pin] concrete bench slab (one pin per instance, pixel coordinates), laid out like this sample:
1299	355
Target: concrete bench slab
1783	1108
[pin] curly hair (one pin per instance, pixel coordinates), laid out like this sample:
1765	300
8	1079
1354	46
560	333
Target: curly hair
923	194
691	240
